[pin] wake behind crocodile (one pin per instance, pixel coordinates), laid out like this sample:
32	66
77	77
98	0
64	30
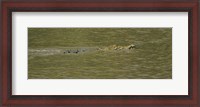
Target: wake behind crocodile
79	50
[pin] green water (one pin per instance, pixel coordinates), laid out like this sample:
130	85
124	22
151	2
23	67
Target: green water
150	59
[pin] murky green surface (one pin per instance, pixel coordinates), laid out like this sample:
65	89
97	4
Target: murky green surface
93	55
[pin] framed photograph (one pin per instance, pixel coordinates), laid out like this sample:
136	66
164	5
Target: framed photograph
100	53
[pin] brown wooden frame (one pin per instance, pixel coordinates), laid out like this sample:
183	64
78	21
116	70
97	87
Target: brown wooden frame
9	6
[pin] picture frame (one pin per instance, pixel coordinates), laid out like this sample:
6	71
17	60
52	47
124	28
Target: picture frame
190	100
